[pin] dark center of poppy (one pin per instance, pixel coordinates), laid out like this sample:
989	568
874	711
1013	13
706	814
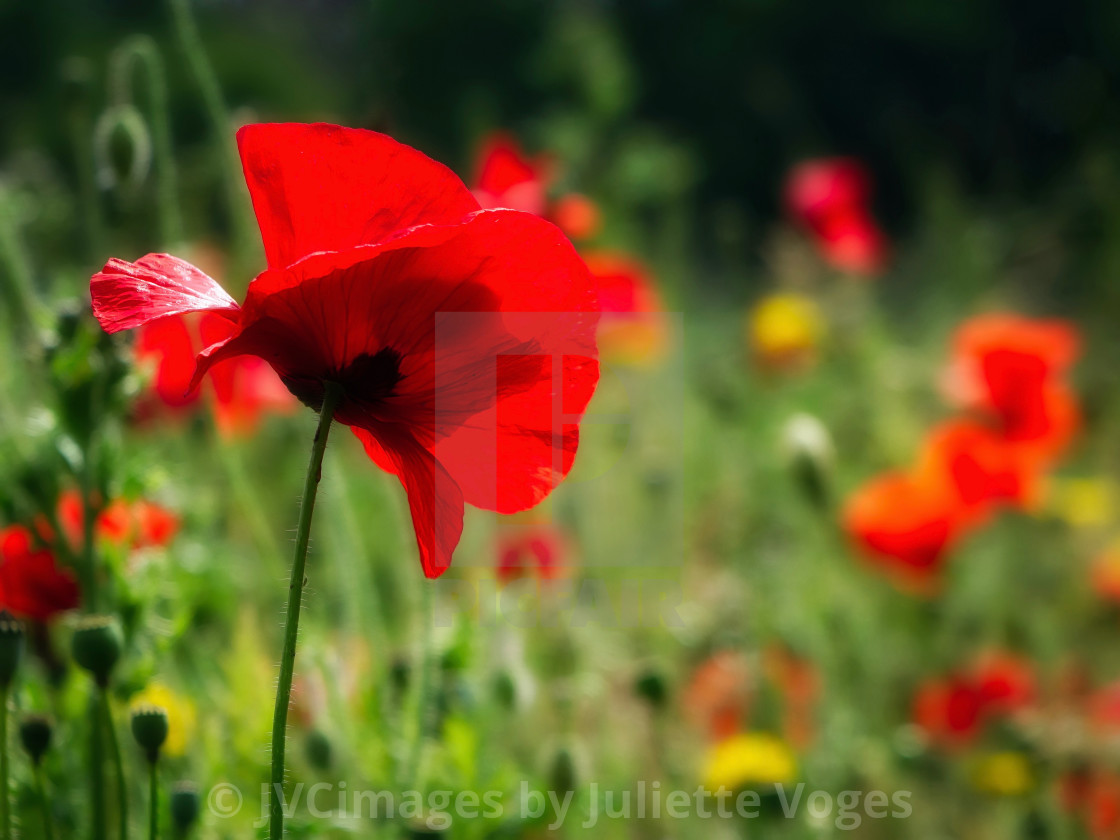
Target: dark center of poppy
367	379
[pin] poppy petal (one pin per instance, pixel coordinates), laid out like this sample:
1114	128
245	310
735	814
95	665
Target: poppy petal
127	295
326	188
434	499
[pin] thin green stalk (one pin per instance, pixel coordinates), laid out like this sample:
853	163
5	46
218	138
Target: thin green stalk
44	803
16	282
98	830
153	801
143	49
118	763
240	223
423	690
5	793
331	399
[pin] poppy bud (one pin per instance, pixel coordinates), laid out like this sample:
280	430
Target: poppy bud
319	750
184	807
35	734
149	728
96	646
650	686
809	453
11	647
562	775
505	690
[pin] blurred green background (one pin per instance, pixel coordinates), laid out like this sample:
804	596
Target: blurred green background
992	134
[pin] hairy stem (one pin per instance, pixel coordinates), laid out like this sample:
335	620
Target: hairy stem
295	601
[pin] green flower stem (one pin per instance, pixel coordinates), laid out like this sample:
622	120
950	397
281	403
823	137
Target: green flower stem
5	793
98	830
331	397
424	694
118	763
44	803
16	281
153	801
143	49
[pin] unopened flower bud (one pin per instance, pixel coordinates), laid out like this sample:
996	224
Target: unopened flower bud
149	728
809	452
319	751
35	734
562	775
650	686
96	646
11	647
184	806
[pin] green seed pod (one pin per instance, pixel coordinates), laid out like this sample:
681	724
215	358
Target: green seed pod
184	805
35	733
650	686
562	775
320	753
11	647
149	728
96	646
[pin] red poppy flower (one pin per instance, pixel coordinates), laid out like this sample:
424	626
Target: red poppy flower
950	711
1012	368
32	586
632	325
904	525
829	199
981	467
534	551
446	326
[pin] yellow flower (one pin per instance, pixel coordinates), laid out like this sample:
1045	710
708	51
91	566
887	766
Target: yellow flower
751	758
1083	502
1005	773
181	717
784	329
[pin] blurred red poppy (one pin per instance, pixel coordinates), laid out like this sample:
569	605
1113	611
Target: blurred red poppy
949	710
829	199
139	524
32	585
632	325
904	525
1006	682
532	551
244	388
1012	369
799	684
506	177
445	326
980	467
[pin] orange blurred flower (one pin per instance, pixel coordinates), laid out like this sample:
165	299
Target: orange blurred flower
577	215
717	697
138	524
1104	574
799	684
